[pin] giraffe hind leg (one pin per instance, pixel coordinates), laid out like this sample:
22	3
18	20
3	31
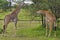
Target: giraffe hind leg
6	22
55	28
3	28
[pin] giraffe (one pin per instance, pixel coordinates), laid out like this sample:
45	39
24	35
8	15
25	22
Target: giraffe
50	20
13	17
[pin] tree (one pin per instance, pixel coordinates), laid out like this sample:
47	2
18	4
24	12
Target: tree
55	7
3	5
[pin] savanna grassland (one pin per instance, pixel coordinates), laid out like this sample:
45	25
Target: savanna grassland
26	30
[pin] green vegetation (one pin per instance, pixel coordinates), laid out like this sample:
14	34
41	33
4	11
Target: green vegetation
27	30
23	15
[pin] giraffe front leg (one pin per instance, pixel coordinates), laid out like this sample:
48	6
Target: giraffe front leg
15	28
55	26
50	29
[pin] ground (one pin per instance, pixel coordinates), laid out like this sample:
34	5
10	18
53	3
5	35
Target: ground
27	30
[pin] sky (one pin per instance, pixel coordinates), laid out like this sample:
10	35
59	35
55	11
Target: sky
28	2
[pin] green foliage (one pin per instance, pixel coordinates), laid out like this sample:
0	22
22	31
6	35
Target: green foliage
27	30
3	5
55	7
41	4
38	5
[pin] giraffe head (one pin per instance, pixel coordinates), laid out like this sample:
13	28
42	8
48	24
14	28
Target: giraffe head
22	3
39	12
43	12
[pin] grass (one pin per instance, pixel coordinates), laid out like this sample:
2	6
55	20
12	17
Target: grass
27	30
24	14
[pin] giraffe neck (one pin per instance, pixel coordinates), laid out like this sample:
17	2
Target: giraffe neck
19	7
17	10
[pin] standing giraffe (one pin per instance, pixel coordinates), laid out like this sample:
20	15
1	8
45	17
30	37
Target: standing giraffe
12	17
50	20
